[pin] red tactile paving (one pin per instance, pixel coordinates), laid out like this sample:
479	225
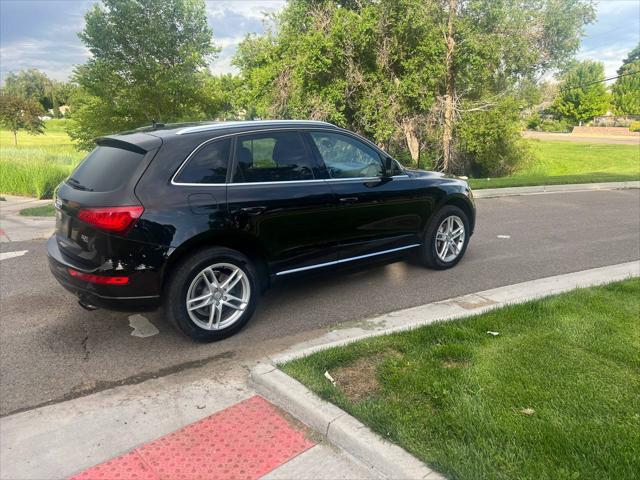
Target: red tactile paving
244	441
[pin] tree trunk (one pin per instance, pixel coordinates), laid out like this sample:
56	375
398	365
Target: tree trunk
15	138
411	137
450	89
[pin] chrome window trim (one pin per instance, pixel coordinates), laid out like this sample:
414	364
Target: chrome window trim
345	260
221	137
286	182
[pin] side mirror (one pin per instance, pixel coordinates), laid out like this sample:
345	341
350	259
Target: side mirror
388	164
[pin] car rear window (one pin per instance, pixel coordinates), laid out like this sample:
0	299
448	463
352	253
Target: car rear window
105	169
208	164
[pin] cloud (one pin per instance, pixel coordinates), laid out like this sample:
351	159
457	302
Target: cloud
615	32
254	9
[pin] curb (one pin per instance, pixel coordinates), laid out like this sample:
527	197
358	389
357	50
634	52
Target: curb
541	189
343	430
337	426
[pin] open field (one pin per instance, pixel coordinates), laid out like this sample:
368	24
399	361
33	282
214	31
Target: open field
554	395
39	162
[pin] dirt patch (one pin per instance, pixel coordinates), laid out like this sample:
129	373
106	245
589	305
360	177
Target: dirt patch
454	364
360	379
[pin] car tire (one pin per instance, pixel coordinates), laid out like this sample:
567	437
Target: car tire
435	237
200	279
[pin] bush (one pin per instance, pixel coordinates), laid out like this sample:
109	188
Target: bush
635	126
490	141
552	125
533	121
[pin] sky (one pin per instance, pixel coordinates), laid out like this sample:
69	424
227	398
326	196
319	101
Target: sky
42	34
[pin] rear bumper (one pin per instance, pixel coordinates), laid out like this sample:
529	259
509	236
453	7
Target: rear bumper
112	297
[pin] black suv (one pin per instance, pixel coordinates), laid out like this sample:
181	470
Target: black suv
203	217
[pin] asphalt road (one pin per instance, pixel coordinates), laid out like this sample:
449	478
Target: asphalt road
51	349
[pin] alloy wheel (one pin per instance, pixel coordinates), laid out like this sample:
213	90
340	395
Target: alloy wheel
450	238
218	296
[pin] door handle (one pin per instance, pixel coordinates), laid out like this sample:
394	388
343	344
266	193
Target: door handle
253	210
348	199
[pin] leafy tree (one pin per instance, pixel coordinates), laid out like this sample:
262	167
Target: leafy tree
626	90
406	70
220	97
148	63
20	114
582	94
490	140
30	84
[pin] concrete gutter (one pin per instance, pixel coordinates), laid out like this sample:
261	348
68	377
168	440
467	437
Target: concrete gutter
351	435
540	189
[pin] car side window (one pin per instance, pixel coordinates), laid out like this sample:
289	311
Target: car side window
208	164
272	157
347	157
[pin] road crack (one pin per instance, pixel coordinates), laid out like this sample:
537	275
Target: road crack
85	340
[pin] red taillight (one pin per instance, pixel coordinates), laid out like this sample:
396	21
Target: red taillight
102	280
112	219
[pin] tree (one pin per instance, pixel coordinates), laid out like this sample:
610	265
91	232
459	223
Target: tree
626	90
20	114
582	94
406	69
30	84
147	65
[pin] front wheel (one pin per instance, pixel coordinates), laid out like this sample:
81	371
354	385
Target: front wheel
446	239
213	294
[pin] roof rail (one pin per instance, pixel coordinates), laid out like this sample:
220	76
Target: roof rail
221	125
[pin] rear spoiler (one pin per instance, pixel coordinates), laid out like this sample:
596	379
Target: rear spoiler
136	142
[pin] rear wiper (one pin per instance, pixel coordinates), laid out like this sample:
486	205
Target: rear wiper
78	185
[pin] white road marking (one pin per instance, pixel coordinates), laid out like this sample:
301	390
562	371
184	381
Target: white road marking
5	255
504	236
142	327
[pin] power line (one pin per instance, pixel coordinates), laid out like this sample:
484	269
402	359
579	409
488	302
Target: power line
600	81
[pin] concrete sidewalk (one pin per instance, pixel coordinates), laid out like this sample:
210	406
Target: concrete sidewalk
65	439
15	227
543	189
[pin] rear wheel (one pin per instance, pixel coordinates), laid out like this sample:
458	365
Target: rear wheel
446	239
213	294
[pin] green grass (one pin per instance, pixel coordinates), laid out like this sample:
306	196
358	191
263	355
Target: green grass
455	396
39	162
43	211
557	162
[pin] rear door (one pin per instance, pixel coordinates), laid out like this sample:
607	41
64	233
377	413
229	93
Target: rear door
375	213
105	178
277	194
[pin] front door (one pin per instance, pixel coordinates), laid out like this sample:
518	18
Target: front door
375	213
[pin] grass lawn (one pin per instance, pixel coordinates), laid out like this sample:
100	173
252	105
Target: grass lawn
556	395
39	162
42	211
558	162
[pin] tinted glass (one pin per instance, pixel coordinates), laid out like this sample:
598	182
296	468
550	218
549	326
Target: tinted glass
207	165
272	157
105	169
346	157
